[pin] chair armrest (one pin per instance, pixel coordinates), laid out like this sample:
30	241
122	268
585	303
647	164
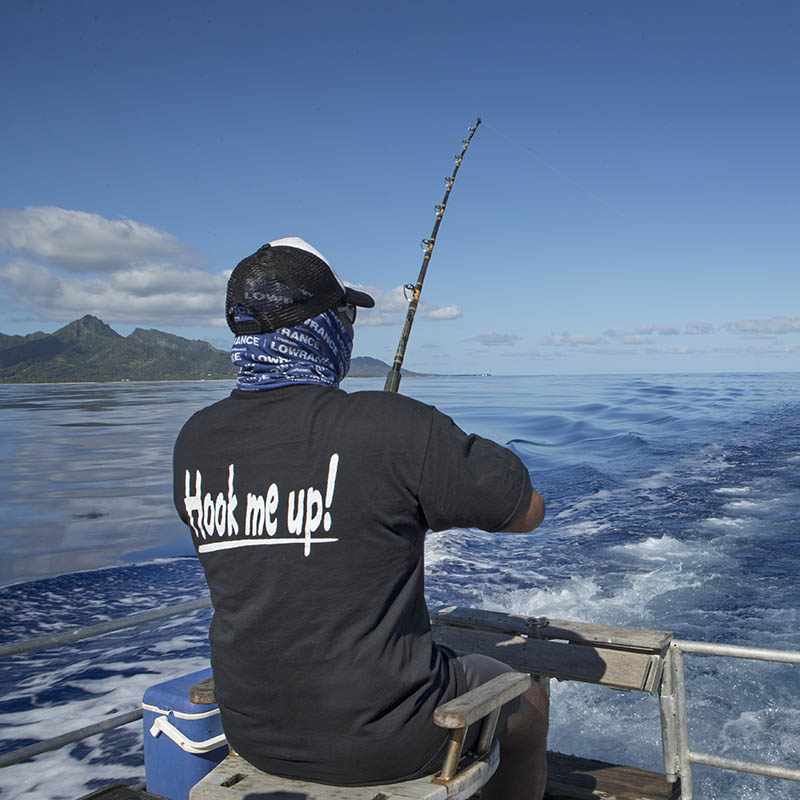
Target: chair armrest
482	700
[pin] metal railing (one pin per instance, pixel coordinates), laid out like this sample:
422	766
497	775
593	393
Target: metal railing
67	637
678	756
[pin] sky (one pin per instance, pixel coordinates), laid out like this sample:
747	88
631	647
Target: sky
629	203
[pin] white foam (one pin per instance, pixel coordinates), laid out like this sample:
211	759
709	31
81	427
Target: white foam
593	500
576	595
586	528
733	490
655	481
583	716
660	548
61	774
586	599
436	549
178	643
748	505
732	523
592	721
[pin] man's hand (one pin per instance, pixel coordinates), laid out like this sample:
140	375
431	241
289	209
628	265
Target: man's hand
530	518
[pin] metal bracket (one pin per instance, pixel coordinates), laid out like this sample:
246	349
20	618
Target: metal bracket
534	624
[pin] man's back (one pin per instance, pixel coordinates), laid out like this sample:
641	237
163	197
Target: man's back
309	508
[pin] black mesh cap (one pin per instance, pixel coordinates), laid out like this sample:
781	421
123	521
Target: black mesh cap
280	285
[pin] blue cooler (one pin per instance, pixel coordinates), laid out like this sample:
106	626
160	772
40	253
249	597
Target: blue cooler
183	741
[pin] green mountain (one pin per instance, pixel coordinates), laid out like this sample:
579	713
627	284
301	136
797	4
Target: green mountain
366	367
89	350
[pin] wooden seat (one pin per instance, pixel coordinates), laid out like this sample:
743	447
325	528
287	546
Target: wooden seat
461	776
235	779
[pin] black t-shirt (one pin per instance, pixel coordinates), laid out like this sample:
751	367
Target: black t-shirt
309	508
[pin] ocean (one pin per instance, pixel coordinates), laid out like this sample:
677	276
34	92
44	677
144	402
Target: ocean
673	504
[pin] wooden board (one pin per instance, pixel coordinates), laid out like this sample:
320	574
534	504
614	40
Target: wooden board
609	667
575	778
576	632
608	635
480	701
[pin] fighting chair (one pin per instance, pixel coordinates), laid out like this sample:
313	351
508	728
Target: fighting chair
461	777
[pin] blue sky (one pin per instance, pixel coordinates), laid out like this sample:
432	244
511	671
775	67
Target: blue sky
630	203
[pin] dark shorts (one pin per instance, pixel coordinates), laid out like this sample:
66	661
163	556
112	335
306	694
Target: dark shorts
477	669
473	670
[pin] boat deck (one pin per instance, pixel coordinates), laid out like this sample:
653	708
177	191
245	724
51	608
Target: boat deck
569	778
574	778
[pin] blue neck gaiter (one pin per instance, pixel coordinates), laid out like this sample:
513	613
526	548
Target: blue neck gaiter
314	351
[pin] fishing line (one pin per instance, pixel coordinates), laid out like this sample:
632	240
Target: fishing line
533	154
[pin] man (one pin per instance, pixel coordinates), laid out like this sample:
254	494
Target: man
309	507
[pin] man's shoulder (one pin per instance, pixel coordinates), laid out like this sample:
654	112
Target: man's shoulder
201	417
388	406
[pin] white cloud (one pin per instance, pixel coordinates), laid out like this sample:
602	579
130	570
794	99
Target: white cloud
634	338
698	328
774	349
675	350
537	355
446	312
567	339
161	294
495	339
663	330
78	241
391	306
763	349
69	263
64	264
369	318
390	301
772	325
612	351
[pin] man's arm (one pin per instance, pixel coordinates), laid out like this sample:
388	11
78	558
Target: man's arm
467	481
531	517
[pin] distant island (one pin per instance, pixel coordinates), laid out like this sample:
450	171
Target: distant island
88	350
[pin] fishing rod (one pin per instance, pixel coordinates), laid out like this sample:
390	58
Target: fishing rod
393	378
